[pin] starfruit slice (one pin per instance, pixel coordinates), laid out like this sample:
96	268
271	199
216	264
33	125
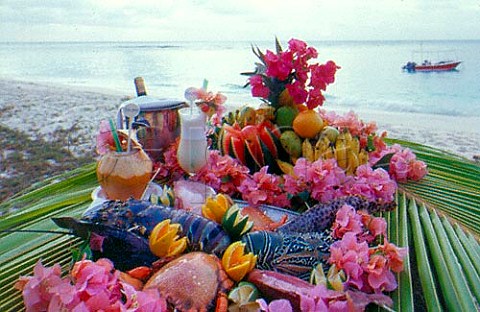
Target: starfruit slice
243	298
236	263
216	207
164	240
235	223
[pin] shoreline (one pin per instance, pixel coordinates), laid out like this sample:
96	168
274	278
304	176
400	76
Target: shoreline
41	109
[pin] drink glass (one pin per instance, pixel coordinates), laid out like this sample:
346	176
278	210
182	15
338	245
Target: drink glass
192	148
123	175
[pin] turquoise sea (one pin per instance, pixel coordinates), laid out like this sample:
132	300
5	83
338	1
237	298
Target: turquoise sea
371	77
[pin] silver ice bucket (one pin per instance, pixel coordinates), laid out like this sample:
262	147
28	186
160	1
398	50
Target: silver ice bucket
156	126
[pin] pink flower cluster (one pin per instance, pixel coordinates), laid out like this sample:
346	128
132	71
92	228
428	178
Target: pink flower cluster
223	173
291	69
263	188
91	286
325	181
169	168
403	164
322	299
209	102
368	269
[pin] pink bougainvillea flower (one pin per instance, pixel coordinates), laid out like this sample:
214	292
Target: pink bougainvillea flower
275	305
417	170
373	184
263	188
380	278
347	220
394	254
258	88
45	289
349	255
375	226
223	173
105	142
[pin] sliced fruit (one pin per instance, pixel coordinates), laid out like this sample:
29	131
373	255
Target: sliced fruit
235	223
266	137
252	142
245	292
164	241
237	149
236	263
216	207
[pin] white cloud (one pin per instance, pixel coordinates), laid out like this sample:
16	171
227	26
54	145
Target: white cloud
41	20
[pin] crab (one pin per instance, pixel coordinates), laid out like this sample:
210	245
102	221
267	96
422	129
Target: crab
195	281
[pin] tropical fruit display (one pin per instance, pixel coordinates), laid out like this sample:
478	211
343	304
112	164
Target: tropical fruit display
277	137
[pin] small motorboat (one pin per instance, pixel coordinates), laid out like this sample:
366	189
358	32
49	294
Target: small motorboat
428	66
445	62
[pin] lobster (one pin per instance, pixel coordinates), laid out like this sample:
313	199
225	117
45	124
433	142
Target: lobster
295	248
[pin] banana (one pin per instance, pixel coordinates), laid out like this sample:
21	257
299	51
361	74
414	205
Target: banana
329	153
355	145
321	147
341	150
286	167
363	157
352	162
307	150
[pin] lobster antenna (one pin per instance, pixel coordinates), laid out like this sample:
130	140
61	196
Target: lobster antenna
37	231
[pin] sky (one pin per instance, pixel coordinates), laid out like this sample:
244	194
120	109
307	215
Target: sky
230	20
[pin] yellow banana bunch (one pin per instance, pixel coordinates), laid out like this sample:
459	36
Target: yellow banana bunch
307	150
363	157
341	153
322	148
348	153
286	167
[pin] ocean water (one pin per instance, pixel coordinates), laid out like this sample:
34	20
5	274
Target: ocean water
370	77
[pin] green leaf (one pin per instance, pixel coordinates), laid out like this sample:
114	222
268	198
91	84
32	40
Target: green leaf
384	162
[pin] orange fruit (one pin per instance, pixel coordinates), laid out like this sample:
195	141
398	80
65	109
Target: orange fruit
307	124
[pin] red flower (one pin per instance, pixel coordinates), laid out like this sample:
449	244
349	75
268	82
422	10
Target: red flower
258	88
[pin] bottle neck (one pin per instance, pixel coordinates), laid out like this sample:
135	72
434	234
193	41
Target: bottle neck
140	86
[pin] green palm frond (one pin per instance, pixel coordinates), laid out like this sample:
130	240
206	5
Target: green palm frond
437	220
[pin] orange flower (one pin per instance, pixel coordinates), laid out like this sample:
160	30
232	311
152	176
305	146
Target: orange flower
236	263
164	240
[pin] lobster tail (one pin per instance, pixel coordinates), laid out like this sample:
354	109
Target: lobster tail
321	216
293	254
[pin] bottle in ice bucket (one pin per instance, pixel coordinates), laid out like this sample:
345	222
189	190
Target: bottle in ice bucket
124	174
157	125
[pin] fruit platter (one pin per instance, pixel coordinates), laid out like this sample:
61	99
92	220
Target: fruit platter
278	205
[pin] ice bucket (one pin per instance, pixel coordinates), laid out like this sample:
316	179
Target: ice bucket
156	126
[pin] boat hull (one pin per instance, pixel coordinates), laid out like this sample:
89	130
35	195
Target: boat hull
437	67
442	66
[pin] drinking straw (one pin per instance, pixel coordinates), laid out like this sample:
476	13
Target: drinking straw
115	135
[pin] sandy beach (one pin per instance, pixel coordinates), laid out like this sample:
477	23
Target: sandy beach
42	110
